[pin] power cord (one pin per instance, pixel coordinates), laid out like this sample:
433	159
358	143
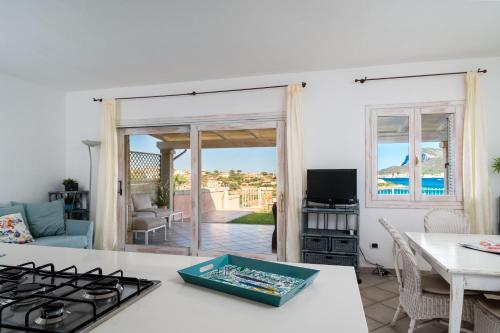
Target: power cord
379	269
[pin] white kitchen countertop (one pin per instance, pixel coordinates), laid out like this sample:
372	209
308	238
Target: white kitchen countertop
331	304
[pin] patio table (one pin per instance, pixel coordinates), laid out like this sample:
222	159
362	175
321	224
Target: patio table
463	268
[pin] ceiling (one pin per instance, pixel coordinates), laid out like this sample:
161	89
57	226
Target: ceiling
223	139
89	44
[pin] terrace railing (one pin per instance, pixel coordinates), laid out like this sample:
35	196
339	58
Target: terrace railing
403	191
257	197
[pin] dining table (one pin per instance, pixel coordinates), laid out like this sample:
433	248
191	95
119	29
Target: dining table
463	268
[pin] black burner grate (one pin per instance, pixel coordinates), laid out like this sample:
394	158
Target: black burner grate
41	299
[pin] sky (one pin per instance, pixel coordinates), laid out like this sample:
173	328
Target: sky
222	159
394	154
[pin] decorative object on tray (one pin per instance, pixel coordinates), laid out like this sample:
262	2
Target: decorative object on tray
484	246
13	229
259	280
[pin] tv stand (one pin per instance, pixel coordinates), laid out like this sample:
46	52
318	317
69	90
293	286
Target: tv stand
330	234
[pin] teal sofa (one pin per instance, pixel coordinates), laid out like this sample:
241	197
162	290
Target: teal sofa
48	227
78	234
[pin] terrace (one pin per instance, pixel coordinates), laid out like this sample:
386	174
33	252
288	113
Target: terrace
225	197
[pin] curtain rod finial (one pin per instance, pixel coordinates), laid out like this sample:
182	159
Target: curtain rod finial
479	70
304	84
97	99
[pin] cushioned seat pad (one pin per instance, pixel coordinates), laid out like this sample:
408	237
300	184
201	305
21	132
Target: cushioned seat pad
147	223
435	284
157	212
492	305
78	242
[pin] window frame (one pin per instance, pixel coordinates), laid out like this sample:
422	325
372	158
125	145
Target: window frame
414	112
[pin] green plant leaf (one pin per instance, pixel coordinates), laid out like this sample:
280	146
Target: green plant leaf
496	165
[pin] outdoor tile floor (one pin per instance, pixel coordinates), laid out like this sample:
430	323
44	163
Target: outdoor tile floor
380	299
224	237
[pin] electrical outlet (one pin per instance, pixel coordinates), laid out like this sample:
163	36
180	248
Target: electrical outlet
374	245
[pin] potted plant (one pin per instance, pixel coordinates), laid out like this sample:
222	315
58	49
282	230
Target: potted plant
496	165
162	195
70	184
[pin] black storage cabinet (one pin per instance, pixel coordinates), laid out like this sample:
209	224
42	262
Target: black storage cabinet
330	235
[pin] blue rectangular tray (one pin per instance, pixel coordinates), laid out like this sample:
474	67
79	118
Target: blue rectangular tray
193	274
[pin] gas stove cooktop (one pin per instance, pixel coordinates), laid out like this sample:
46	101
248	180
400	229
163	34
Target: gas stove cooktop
41	299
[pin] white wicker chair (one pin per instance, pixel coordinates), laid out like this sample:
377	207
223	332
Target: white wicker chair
487	316
429	285
395	247
447	221
428	297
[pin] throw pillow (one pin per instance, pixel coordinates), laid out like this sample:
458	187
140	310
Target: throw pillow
46	218
13	209
14	230
142	201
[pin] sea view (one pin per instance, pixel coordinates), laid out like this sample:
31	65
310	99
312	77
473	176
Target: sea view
426	182
399	186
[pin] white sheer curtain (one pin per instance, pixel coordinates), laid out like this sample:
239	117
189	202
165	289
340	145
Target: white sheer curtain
477	194
295	171
106	224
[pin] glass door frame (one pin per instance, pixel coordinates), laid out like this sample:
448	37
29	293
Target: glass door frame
196	146
123	191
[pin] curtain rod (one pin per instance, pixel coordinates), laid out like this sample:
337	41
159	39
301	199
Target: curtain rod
194	93
479	70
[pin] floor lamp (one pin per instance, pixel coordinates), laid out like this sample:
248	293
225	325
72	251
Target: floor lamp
90	144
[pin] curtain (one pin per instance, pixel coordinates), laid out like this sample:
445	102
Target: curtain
106	223
295	171
477	195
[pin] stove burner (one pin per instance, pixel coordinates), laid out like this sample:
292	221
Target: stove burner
51	314
28	289
11	274
103	290
6	286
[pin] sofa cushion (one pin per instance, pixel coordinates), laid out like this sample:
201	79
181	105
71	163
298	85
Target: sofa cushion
142	201
13	209
14	230
435	284
146	223
78	242
46	218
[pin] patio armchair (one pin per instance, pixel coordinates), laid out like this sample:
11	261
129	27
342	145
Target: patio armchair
142	206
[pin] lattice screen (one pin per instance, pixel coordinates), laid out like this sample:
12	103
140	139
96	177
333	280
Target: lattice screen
144	167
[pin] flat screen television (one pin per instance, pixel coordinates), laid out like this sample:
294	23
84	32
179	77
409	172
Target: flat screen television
332	186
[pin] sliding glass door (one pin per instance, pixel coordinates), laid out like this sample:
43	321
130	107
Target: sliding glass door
204	189
155	200
240	189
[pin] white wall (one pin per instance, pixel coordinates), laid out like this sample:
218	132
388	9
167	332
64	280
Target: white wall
333	122
32	148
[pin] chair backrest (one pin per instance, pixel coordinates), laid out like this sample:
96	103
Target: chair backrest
399	242
447	221
410	280
142	201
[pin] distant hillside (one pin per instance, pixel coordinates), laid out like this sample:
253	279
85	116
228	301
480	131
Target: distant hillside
432	166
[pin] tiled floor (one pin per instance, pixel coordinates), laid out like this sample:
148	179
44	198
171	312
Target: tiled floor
224	237
223	216
380	300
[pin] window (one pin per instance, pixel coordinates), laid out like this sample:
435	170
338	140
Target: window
413	155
